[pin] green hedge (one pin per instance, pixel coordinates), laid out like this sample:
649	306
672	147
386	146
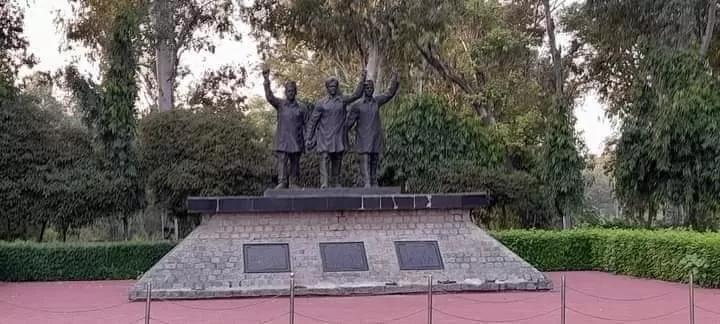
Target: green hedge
667	255
87	261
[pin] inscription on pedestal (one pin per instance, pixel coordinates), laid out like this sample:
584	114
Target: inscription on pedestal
343	256
266	258
418	255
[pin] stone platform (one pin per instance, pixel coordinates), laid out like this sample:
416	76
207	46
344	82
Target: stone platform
336	245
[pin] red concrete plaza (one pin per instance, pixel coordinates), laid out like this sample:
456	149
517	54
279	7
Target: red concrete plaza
592	297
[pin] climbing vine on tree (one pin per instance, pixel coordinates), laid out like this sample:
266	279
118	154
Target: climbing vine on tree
109	111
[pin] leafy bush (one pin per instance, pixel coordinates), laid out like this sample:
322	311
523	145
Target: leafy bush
423	132
44	262
518	199
668	255
204	151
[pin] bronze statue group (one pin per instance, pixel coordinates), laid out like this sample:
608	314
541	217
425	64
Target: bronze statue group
325	130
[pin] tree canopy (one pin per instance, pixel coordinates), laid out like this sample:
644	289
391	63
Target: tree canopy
487	102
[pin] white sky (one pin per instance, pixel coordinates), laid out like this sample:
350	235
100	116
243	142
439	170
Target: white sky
45	42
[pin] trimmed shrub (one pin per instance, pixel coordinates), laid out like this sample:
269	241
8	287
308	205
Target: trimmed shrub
86	261
551	250
668	255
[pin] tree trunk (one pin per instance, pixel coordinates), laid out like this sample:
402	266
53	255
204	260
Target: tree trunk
165	55
41	235
374	64
126	227
176	233
64	228
554	51
563	215
163	214
709	27
652	214
435	61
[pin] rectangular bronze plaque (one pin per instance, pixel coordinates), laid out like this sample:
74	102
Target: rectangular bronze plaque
418	255
266	258
343	256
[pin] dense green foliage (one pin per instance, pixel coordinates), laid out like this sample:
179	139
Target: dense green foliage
114	121
481	107
423	133
202	152
668	255
667	154
559	167
657	75
109	113
45	262
13	46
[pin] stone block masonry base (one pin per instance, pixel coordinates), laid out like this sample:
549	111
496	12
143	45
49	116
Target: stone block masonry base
210	262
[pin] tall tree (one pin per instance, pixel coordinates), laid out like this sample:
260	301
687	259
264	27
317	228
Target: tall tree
13	45
479	48
490	44
378	32
22	129
561	165
110	112
676	109
616	35
169	29
648	59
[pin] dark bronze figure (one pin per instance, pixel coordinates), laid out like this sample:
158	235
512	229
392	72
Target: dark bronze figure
289	135
365	113
326	130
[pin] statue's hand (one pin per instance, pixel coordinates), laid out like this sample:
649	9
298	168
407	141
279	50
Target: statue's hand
364	74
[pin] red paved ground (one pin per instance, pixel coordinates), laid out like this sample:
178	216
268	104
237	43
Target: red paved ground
592	298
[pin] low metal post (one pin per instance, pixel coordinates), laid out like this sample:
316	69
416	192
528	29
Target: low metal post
147	303
563	283
692	300
429	300
291	314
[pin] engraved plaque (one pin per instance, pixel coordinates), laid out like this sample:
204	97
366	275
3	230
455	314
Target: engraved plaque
266	258
343	256
418	255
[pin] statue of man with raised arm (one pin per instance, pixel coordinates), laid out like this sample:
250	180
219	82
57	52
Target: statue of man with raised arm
365	115
289	134
326	129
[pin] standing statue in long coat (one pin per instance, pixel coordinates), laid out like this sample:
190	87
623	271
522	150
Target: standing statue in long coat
289	134
326	129
365	113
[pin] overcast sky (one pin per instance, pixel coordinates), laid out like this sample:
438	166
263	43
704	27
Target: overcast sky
45	41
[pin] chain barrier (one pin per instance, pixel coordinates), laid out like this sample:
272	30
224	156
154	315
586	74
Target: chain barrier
137	320
515	320
617	299
649	318
152	319
78	311
431	308
459	295
266	300
275	318
708	310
